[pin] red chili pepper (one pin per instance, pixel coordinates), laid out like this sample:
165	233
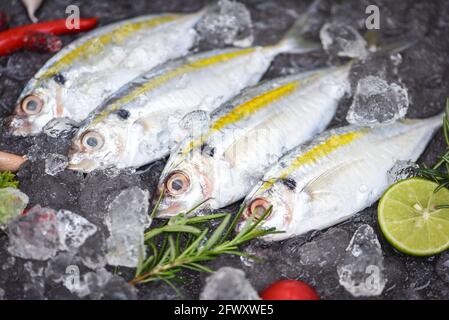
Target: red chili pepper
13	39
4	19
42	42
289	290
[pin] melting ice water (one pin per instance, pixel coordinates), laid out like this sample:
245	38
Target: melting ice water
229	23
343	41
402	170
361	271
228	284
377	102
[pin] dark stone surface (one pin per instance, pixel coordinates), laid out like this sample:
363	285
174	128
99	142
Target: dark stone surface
424	71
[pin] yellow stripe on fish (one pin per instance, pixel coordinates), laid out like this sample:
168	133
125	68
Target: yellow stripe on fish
159	80
246	109
321	150
96	44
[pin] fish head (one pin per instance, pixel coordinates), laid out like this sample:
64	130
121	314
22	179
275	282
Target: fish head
36	106
98	145
283	201
184	184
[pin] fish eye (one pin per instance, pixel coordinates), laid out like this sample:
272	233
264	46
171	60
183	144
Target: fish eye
92	140
257	208
32	104
177	183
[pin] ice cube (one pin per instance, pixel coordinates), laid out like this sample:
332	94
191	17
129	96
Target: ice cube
34	235
228	284
101	284
343	41
228	23
12	204
73	230
377	102
126	220
42	232
55	163
323	251
91	282
361	271
402	170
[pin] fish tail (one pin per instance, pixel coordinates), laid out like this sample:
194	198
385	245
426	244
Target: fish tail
442	118
372	39
434	122
294	42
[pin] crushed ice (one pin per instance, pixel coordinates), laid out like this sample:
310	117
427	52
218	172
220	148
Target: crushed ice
228	284
42	232
377	102
402	170
228	23
343	41
55	163
361	271
126	220
73	230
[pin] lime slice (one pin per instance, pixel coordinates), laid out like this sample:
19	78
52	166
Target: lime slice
410	219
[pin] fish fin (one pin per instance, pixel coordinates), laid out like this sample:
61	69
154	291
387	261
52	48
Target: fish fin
195	122
318	184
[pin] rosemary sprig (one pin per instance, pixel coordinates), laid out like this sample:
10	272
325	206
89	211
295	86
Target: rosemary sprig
199	246
440	171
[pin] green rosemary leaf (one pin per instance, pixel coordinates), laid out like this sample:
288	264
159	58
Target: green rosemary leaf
193	247
196	207
153	212
215	237
200	267
172	247
174	228
201	219
175	255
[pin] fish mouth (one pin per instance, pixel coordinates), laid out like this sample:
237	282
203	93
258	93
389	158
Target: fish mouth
84	165
168	211
20	126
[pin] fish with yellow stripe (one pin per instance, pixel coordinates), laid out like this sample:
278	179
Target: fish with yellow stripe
338	174
248	134
78	78
147	117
